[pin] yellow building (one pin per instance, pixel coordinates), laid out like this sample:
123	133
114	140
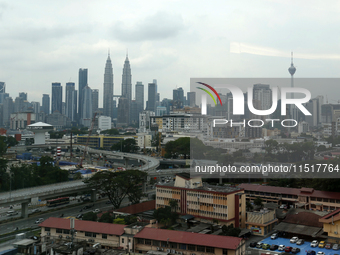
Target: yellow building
331	225
261	222
208	203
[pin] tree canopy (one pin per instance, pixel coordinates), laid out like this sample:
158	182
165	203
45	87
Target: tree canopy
127	145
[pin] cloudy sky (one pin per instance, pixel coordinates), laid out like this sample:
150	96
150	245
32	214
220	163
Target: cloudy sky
48	41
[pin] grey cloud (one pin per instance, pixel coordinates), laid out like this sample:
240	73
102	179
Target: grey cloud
159	26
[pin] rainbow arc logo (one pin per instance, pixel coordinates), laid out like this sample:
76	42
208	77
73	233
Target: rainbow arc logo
209	93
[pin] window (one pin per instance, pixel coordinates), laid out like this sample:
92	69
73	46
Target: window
191	247
140	241
183	246
164	244
89	234
66	231
59	231
148	241
155	243
201	248
104	236
173	245
225	252
47	229
210	249
123	240
94	234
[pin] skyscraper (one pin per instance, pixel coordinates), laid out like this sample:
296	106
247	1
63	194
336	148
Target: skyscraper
191	97
108	89
82	82
126	80
23	95
8	108
71	101
95	98
123	112
139	94
57	96
87	106
19	104
152	92
46	104
2	87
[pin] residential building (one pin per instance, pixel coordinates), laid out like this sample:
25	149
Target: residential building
57	95
144	121
205	202
108	89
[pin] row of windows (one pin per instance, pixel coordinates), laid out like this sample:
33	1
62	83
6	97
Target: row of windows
172	245
168	191
207	204
206	196
207	213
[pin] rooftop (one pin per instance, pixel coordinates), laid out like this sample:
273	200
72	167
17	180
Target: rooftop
83	225
227	188
331	217
223	242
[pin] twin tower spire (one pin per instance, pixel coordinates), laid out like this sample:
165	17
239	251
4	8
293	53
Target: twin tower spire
109	88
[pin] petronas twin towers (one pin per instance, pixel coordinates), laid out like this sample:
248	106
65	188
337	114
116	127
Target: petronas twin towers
108	85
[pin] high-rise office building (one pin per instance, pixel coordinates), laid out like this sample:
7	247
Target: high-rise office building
23	95
263	94
123	112
82	82
3	96
126	80
152	93
8	109
36	107
95	98
2	87
57	97
139	94
87	106
19	104
191	98
45	104
108	89
178	97
71	101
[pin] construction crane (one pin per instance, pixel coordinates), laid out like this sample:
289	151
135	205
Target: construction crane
87	140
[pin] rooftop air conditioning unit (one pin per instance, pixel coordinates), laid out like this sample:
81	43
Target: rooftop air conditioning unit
158	249
168	250
162	249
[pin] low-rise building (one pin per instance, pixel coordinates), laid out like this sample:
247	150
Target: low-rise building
180	242
331	225
261	222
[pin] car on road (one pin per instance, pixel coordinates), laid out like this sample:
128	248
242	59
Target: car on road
314	243
36	210
300	241
288	249
321	253
274	236
79	216
273	247
294	239
86	199
282	247
96	211
328	246
295	250
265	246
321	244
252	244
38	221
259	245
12	213
335	246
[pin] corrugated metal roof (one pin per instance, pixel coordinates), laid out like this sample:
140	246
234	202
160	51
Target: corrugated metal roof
83	225
223	242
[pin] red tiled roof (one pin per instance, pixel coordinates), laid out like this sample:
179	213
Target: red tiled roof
333	216
83	225
304	218
290	191
139	208
307	190
223	242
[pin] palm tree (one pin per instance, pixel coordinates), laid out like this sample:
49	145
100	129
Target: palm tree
173	204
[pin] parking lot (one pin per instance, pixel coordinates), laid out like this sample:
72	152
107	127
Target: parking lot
303	247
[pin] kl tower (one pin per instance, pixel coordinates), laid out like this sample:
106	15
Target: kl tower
292	71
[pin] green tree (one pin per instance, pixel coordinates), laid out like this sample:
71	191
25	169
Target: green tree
112	131
181	146
127	145
119	221
11	141
91	216
165	215
106	217
249	206
173	203
230	231
258	202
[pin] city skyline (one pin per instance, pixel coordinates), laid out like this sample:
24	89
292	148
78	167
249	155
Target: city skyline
171	43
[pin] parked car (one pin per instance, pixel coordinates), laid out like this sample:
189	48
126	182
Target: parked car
321	244
96	211
273	247
335	246
328	246
321	253
265	246
310	252
294	239
314	243
252	244
295	250
300	241
288	249
38	221
274	236
282	247
259	245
